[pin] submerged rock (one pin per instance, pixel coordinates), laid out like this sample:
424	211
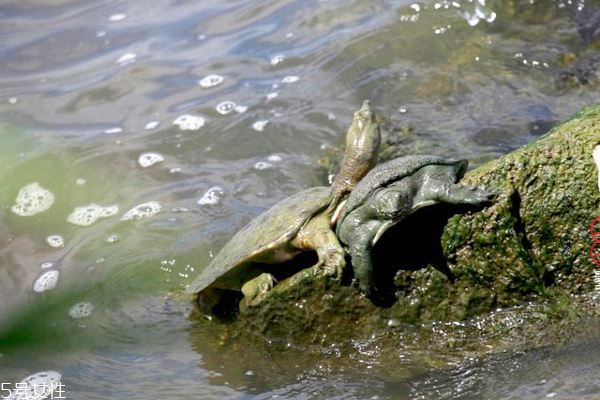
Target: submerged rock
533	244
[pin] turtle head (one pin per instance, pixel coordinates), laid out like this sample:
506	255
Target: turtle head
365	126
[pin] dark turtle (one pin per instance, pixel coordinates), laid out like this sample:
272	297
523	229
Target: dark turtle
391	192
299	223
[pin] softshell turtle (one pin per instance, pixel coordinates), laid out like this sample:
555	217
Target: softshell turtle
299	223
391	192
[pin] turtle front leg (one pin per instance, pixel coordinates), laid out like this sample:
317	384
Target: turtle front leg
255	290
455	193
317	235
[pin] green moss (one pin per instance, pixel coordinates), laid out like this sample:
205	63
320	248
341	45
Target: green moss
532	244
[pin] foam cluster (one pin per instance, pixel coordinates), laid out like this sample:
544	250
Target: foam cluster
81	310
148	159
36	387
210	81
46	281
32	199
87	215
142	211
188	122
212	196
55	241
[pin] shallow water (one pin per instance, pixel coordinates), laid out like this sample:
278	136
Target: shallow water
89	93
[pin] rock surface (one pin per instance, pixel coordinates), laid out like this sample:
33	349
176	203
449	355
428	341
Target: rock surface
532	245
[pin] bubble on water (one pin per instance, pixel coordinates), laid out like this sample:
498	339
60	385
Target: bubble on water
274	158
80	182
175	170
290	79
46	281
127	58
260	125
415	7
32	199
151	125
277	59
289	35
117	17
112	238
55	241
272	95
225	107
201	37
46	265
212	196
261	165
12	100
241	109
142	211
112	131
189	122
87	215
81	310
100	34
37	386
148	159
211	81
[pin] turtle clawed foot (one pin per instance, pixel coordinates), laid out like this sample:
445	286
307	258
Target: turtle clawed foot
256	290
333	265
478	195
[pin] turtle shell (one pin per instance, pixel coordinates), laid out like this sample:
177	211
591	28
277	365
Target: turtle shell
393	171
264	237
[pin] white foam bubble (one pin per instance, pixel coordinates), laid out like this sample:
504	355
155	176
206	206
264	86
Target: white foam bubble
272	95
260	165
46	265
112	131
117	17
12	100
81	310
148	159
596	156
225	107
127	58
113	238
142	211
32	199
55	241
212	196
151	125
277	59
46	281
80	181
188	122
290	79
211	81
241	109
87	215
37	387
260	125
274	158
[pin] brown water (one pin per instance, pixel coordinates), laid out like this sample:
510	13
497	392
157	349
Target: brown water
87	88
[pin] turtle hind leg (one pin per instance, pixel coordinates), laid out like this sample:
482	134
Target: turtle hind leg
317	235
255	290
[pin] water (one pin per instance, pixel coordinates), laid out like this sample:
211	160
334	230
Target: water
199	115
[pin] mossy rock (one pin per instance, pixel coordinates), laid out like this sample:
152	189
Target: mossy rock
531	245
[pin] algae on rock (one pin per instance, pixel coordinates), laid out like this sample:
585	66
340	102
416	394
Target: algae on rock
532	244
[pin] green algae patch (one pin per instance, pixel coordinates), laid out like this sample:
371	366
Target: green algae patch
531	245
